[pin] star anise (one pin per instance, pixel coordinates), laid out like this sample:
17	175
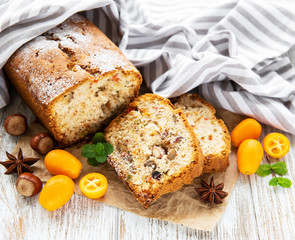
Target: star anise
211	193
18	164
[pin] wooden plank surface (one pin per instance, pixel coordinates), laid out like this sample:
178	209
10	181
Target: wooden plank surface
255	210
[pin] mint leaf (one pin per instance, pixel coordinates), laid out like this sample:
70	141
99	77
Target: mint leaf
108	148
263	170
98	137
284	182
88	151
93	162
99	149
101	159
273	182
280	168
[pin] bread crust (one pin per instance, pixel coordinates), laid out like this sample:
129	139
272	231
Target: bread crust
194	97
43	74
185	176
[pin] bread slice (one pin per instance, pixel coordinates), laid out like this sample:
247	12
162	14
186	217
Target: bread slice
73	78
211	132
155	149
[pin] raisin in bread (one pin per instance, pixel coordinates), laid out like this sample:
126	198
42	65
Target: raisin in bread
73	78
211	132
155	149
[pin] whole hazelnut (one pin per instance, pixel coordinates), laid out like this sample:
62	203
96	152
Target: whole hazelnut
42	143
15	124
28	184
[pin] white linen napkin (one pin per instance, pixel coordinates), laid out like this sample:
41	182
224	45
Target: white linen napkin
227	51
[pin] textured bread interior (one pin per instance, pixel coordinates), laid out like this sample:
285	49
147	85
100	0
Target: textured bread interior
153	146
211	132
83	110
211	136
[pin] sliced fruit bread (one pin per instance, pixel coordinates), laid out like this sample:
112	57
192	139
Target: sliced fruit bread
155	149
211	132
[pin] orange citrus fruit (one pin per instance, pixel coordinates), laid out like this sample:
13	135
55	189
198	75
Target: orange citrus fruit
276	145
93	185
246	129
59	161
56	192
249	156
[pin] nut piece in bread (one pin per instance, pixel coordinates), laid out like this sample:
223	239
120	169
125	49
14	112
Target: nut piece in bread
211	132
73	78
155	149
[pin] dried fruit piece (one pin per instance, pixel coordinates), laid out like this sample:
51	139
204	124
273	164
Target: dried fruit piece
164	134
127	157
56	192
156	175
122	147
93	185
62	162
128	178
246	129
42	143
150	163
16	124
28	184
249	156
178	139
276	145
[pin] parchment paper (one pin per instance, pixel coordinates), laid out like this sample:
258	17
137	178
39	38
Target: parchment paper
181	207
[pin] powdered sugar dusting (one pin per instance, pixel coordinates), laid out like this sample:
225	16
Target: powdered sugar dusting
66	55
105	60
40	44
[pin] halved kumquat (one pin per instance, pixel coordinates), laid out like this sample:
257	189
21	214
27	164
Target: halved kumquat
276	145
93	185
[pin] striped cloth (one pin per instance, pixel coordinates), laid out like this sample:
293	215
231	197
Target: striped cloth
228	51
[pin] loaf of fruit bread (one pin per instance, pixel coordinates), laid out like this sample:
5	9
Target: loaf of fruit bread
73	78
211	132
155	149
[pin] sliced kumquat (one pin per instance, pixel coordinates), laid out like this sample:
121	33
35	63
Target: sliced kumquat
93	185
276	145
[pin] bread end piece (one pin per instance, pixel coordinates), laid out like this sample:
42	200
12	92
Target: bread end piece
73	78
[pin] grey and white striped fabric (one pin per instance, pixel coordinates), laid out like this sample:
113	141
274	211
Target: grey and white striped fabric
228	51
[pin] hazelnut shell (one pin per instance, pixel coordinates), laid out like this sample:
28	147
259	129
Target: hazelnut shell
28	184
15	124
42	143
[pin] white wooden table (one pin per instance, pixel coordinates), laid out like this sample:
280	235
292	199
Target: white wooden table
255	210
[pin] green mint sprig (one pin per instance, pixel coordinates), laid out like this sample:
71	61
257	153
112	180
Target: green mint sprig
98	151
283	182
279	168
